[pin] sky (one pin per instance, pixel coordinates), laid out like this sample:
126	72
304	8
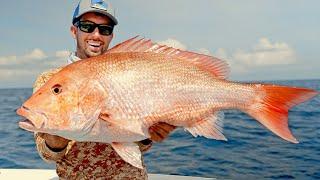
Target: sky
260	40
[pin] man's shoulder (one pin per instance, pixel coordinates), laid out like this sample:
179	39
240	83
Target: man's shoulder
44	77
49	73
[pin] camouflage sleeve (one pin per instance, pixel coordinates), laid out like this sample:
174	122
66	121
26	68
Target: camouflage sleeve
43	150
45	153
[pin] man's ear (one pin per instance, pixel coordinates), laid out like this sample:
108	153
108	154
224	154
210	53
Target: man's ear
73	31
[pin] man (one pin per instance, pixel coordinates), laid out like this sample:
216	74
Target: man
92	28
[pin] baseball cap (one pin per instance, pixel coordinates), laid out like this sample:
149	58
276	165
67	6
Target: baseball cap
99	6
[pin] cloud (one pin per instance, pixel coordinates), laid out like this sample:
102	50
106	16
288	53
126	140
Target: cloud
23	69
173	43
36	58
263	55
8	59
62	54
35	54
221	53
179	45
204	51
32	57
266	53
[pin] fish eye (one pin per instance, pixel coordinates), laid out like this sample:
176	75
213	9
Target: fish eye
56	89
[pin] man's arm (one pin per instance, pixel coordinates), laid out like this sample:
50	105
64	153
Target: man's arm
46	152
50	148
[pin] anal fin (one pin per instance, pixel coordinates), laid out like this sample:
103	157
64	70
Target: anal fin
129	152
210	127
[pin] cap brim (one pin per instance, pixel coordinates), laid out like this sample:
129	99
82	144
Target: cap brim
101	12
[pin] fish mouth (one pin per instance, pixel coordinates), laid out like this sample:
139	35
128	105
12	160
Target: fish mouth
32	121
27	125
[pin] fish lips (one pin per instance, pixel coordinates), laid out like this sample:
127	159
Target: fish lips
26	124
32	121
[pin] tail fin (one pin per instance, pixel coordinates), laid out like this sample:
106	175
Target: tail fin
272	109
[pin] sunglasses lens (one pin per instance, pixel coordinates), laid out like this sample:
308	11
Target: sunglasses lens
105	30
86	27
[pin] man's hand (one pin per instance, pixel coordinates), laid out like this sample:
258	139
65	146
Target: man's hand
55	143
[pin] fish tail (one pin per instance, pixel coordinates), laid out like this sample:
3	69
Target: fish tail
272	108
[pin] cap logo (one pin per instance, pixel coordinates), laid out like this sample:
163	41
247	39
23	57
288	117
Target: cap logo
99	4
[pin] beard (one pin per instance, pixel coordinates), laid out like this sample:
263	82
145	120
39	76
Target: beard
85	50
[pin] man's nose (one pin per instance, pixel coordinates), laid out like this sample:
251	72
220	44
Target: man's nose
96	32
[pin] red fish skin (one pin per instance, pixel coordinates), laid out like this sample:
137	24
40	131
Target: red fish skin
153	88
115	98
140	89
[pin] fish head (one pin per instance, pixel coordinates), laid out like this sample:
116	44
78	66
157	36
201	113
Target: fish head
67	105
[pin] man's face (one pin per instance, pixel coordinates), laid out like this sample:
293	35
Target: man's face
91	44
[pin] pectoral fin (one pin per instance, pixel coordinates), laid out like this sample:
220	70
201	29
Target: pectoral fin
134	127
129	152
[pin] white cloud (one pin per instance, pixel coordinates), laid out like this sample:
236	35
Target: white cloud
221	53
263	54
7	59
173	43
26	67
177	44
204	51
265	44
62	54
35	54
266	53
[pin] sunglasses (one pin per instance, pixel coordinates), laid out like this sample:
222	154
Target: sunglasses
89	27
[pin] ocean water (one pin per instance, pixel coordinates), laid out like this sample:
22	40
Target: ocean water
250	152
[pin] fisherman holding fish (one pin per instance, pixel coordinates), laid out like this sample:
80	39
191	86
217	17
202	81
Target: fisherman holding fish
92	28
135	91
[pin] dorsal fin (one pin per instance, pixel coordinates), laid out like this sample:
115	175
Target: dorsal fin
215	66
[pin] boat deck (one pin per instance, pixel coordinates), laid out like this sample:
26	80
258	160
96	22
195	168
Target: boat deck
41	174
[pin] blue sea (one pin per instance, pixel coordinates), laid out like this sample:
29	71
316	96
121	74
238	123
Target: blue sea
250	152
